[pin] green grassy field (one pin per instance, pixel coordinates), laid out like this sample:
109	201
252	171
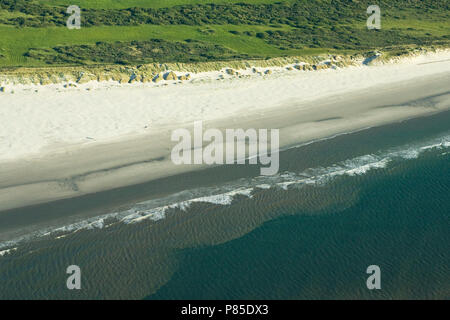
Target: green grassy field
34	33
123	4
15	44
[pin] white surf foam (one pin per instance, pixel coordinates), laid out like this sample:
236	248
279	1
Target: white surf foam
160	212
225	194
7	251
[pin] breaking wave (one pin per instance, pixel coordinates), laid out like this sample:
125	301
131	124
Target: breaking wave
224	195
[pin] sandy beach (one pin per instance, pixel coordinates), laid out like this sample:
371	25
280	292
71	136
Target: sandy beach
58	143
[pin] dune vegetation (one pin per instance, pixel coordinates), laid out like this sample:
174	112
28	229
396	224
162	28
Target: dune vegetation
130	32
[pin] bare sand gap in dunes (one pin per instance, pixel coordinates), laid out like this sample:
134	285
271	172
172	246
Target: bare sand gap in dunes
56	145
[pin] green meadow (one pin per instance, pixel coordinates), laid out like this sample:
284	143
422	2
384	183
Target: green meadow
123	4
15	44
33	32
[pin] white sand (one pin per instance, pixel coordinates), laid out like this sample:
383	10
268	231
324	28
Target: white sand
35	123
56	144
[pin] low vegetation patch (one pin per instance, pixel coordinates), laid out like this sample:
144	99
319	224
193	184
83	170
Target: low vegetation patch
134	52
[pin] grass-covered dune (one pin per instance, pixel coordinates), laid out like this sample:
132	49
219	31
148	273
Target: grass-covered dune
130	32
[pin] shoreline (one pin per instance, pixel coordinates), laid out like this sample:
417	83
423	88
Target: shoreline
220	186
67	170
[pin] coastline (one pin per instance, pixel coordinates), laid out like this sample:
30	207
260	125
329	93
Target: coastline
308	106
184	150
313	165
